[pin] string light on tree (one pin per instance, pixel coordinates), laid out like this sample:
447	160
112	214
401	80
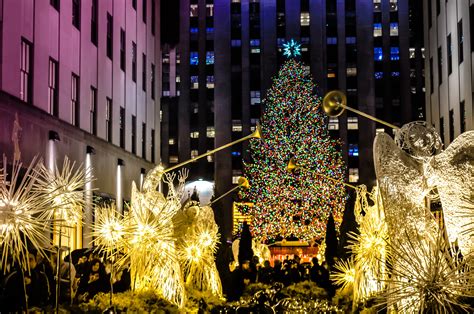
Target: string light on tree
294	126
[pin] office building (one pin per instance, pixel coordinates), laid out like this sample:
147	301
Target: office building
448	30
82	78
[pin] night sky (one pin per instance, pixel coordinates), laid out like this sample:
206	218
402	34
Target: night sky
169	22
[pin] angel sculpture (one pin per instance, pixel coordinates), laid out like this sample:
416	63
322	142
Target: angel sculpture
151	244
197	237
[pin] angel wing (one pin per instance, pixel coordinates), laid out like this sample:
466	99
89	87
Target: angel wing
403	189
452	173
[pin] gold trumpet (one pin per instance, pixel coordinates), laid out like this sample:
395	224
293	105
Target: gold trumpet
256	134
292	165
335	102
242	183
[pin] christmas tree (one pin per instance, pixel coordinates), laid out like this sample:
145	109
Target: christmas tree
294	126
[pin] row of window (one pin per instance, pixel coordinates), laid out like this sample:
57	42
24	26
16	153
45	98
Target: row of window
352	123
76	14
53	100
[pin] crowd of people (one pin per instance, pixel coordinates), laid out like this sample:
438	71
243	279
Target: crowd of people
287	272
80	279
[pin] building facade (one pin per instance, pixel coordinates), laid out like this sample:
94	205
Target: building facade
230	50
81	79
449	64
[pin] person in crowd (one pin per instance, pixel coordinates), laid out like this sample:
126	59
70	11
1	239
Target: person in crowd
67	272
265	274
95	280
37	286
12	292
277	271
122	280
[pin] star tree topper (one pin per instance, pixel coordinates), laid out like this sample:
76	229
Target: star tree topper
291	49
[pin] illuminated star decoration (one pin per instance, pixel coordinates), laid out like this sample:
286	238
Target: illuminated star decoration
291	49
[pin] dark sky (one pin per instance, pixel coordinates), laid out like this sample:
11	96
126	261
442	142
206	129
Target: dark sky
170	22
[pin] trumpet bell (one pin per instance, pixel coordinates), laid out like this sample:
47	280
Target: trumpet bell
243	182
291	165
258	132
334	103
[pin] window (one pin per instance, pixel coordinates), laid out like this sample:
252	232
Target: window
54	4
194	82
440	65
173	159
353	174
144	10
353	150
110	23
351	71
462	116
122	49
171	141
236	125
53	101
210	57
194	153
94	22
377	29
394	53
144	72
450	54
352	123
194	134
153	146
412	53
333	123
93	111
254	42
193	10
144	140
195	107
193	58
75	109
396	74
122	127
134	134
351	40
134	61
236	43
194	30
152	81
461	42
76	13
209	9
210	132
26	79
378	54
153	17
255	97
304	19
378	75
451	125
393	29
393	5
331	40
210	81
108	120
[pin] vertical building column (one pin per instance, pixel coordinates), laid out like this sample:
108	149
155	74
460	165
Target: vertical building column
222	115
365	85
119	187
88	209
